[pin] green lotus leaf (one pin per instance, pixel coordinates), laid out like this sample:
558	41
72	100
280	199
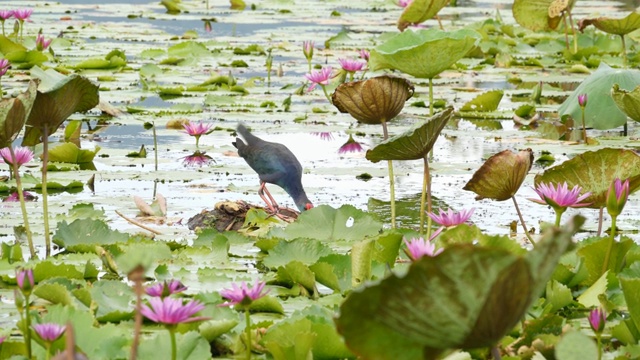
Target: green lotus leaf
418	11
535	14
423	53
375	100
71	153
14	113
414	143
82	235
601	112
627	101
8	46
57	98
484	102
500	177
466	297
614	26
594	171
26	59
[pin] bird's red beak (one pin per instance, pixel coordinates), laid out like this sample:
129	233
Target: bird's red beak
308	206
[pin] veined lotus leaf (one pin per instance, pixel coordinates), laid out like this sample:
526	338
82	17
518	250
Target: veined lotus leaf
424	53
375	100
57	98
466	297
14	113
7	46
418	11
500	177
557	7
414	143
627	101
594	171
601	112
535	14
71	153
614	26
484	102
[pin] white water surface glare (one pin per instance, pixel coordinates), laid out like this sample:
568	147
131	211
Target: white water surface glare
91	29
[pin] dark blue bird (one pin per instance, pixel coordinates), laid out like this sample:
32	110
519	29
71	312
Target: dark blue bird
275	164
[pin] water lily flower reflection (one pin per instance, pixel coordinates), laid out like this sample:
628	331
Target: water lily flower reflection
14	197
324	135
49	332
198	158
165	288
22	155
350	146
243	295
419	247
451	218
170	311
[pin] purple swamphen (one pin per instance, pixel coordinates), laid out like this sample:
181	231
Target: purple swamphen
275	164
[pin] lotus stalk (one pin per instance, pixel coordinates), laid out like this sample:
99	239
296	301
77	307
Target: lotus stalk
624	51
522	223
426	193
23	207
45	198
392	182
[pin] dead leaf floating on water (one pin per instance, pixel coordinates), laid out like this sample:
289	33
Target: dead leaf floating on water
500	177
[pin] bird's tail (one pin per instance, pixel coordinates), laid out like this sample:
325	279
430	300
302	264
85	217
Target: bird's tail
249	137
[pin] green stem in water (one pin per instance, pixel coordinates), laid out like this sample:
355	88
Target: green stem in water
624	52
607	257
48	346
392	182
426	190
23	206
584	126
599	341
155	144
45	198
430	97
326	94
575	34
247	331
174	347
27	326
524	226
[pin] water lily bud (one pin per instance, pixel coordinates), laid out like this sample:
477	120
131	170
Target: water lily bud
617	196
582	100
21	276
597	319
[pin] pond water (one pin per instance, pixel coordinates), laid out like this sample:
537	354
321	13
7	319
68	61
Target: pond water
94	28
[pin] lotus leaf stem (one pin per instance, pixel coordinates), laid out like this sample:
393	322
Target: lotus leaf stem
136	276
45	198
326	94
624	52
607	258
23	206
392	182
27	325
426	193
584	126
566	31
247	331
430	97
155	144
600	221
599	342
524	226
575	34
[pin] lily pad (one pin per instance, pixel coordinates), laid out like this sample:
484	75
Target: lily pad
14	112
373	101
419	11
627	101
484	102
70	153
414	143
500	177
57	98
424	53
601	111
83	234
609	25
594	171
466	297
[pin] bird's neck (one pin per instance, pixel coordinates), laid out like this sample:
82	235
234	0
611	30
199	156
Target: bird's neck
299	196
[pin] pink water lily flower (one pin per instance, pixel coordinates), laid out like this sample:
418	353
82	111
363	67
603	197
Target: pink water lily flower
319	77
597	319
419	247
582	100
451	218
49	332
22	14
560	197
21	276
364	54
197	129
617	196
307	49
23	155
5	14
4	66
165	288
351	65
171	311
404	3
243	294
41	43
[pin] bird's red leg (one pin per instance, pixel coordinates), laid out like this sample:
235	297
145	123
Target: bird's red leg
273	206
